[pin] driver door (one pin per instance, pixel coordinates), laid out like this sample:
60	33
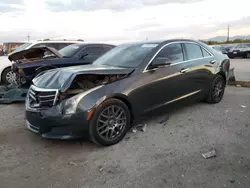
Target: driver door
164	83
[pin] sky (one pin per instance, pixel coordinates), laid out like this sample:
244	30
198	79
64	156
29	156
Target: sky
122	20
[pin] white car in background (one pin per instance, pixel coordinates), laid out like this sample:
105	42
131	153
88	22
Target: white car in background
7	76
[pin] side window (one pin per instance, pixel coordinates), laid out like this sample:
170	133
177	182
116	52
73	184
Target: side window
107	48
172	53
205	53
94	51
53	45
193	51
63	45
239	46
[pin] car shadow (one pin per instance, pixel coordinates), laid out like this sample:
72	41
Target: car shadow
163	113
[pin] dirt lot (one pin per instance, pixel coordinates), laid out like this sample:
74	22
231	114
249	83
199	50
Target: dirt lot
164	156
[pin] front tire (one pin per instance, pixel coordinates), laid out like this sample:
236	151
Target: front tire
110	122
8	76
216	91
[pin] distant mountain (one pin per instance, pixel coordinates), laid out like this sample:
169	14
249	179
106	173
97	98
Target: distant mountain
224	38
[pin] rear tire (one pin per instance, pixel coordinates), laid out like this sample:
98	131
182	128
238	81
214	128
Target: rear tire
8	76
216	91
110	122
248	55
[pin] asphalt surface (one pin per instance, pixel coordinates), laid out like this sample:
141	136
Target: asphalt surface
241	69
165	155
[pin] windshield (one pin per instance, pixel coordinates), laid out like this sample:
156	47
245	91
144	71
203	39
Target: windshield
70	51
22	47
126	55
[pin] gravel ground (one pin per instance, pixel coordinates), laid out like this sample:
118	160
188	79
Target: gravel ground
165	155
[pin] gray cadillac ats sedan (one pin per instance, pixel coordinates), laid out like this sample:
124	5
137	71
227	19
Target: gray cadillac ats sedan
102	100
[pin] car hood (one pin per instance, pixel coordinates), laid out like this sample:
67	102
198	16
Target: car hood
33	51
62	78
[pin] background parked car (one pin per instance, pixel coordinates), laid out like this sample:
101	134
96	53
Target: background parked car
6	74
219	48
9	47
29	63
241	50
102	100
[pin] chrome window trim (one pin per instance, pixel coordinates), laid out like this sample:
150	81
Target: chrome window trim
177	42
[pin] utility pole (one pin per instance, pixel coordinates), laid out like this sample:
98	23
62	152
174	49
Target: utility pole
228	33
28	37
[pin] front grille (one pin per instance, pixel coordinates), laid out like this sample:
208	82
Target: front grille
41	97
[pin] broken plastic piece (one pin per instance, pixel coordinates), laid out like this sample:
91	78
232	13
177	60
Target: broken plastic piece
164	120
134	130
209	154
142	127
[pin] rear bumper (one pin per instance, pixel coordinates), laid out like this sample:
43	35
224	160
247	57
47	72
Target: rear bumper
51	125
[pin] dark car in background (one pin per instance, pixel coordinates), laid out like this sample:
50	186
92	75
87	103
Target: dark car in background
219	48
240	50
28	63
104	99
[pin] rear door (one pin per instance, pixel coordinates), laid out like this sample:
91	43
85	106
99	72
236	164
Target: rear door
199	67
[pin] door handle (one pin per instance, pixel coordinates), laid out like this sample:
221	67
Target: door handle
213	61
184	70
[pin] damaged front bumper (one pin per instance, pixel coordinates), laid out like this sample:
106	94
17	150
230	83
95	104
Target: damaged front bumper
51	124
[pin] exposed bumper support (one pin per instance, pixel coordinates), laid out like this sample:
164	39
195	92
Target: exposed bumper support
12	93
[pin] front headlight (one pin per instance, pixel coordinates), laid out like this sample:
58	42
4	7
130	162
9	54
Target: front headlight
70	105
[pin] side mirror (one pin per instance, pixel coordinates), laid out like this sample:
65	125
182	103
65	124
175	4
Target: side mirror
159	62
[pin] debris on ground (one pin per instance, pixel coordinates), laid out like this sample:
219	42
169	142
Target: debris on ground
164	121
140	127
134	130
238	85
226	111
100	168
232	181
72	163
209	154
243	106
127	138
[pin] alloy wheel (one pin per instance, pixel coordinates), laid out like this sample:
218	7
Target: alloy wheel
218	89
11	77
111	122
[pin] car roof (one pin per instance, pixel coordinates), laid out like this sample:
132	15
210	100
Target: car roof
162	41
92	44
57	41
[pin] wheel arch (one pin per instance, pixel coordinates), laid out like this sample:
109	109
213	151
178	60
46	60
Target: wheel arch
1	73
125	100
